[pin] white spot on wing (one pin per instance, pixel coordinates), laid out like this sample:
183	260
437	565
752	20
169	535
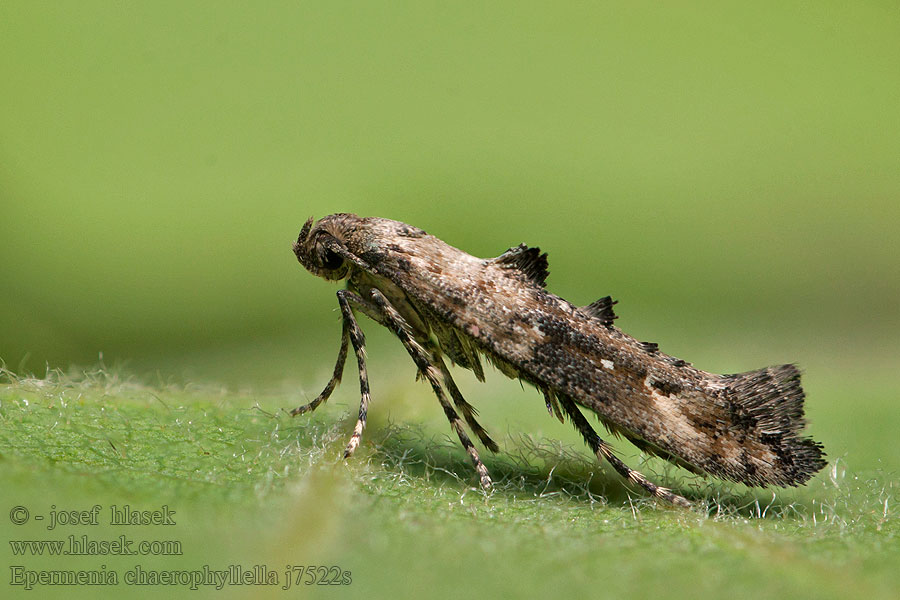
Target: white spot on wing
607	364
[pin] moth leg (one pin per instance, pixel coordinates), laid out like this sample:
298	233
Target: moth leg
401	328
465	408
468	411
335	377
358	340
354	334
604	451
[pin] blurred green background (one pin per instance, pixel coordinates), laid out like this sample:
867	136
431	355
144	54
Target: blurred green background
729	172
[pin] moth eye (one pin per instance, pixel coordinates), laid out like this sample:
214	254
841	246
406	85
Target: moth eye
331	260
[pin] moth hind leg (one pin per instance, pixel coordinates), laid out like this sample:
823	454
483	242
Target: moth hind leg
395	321
604	451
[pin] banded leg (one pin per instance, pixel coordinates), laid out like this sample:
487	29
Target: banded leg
468	411
358	340
433	350
350	332
604	451
401	328
335	377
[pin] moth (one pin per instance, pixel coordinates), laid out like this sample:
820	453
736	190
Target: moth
443	303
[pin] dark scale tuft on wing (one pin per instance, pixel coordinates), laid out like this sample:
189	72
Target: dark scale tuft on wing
527	261
602	310
650	347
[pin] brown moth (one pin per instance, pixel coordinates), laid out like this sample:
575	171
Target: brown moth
440	301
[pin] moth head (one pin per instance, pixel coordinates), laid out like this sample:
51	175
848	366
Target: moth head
322	249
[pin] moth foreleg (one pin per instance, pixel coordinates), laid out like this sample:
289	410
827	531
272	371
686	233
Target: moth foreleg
604	451
395	321
358	340
335	377
467	409
352	331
